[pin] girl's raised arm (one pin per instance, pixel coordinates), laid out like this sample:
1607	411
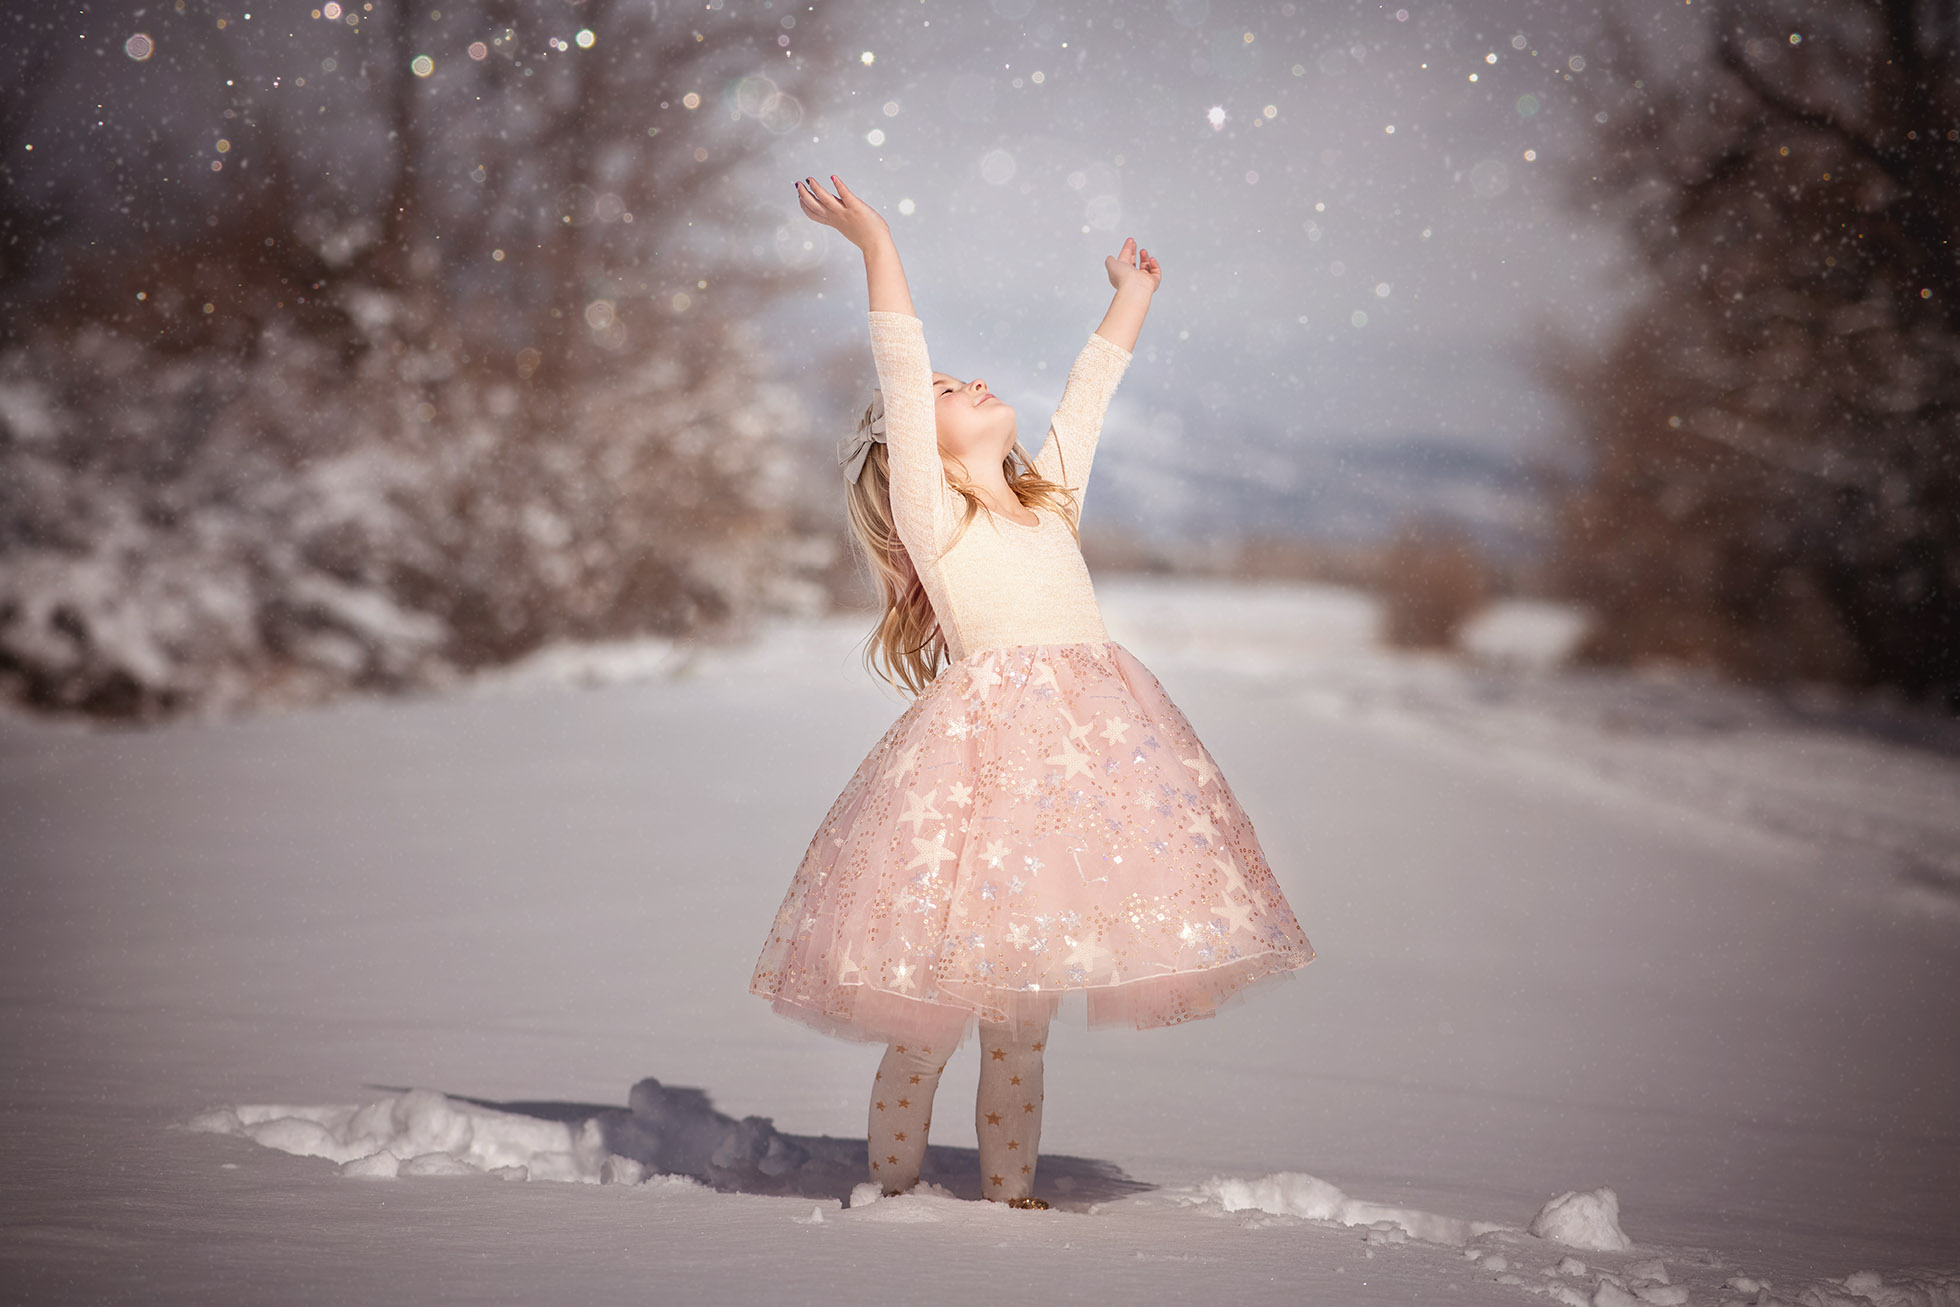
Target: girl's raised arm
1070	449
884	276
898	345
918	477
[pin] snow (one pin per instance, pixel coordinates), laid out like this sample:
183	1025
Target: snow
444	997
1588	1221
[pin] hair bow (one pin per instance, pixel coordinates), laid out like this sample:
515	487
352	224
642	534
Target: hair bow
853	449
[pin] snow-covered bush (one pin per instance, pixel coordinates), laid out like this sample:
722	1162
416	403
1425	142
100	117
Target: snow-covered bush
203	530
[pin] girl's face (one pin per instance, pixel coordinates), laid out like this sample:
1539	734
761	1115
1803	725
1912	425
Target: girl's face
974	426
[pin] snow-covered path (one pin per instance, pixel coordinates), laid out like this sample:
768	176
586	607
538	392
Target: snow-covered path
1542	967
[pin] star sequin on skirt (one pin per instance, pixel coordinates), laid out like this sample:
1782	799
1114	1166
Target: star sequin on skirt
1042	820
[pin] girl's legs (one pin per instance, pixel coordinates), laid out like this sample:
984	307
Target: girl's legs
1008	1113
901	1111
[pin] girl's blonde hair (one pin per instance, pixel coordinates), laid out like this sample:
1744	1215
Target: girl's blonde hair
907	637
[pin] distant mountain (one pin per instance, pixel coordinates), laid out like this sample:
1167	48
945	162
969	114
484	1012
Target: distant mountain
1338	492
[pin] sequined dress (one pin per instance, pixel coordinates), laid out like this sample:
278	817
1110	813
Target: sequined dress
1042	821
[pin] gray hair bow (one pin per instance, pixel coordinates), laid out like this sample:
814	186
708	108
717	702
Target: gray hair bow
853	449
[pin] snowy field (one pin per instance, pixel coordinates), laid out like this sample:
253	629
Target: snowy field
445	999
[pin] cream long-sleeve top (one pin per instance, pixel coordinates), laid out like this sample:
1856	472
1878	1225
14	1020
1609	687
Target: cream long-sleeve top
1003	582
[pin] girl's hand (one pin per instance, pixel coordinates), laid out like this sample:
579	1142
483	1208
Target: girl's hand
859	223
1132	266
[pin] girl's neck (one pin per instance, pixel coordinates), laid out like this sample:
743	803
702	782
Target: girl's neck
991	485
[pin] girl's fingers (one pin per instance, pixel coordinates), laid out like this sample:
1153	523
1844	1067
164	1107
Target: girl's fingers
811	209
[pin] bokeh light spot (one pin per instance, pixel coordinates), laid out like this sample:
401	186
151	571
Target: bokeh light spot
139	47
1489	177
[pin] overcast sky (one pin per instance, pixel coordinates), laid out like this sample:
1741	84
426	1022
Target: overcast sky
1355	235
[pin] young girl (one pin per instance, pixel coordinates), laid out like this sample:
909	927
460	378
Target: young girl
1041	821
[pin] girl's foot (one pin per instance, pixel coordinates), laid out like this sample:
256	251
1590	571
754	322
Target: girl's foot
1026	1202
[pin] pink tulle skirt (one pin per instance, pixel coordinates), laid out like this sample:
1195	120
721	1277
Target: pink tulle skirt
1041	821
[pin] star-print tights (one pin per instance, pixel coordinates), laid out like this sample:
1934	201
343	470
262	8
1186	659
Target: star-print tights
1006	1113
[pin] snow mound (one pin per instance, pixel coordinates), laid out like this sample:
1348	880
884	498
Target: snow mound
923	1204
1912	1287
428	1133
1295	1193
677	1131
1583	1220
420	1133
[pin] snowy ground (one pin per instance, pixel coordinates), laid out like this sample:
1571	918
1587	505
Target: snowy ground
1576	934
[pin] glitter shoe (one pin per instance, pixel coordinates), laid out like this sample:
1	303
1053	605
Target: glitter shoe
1026	1202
